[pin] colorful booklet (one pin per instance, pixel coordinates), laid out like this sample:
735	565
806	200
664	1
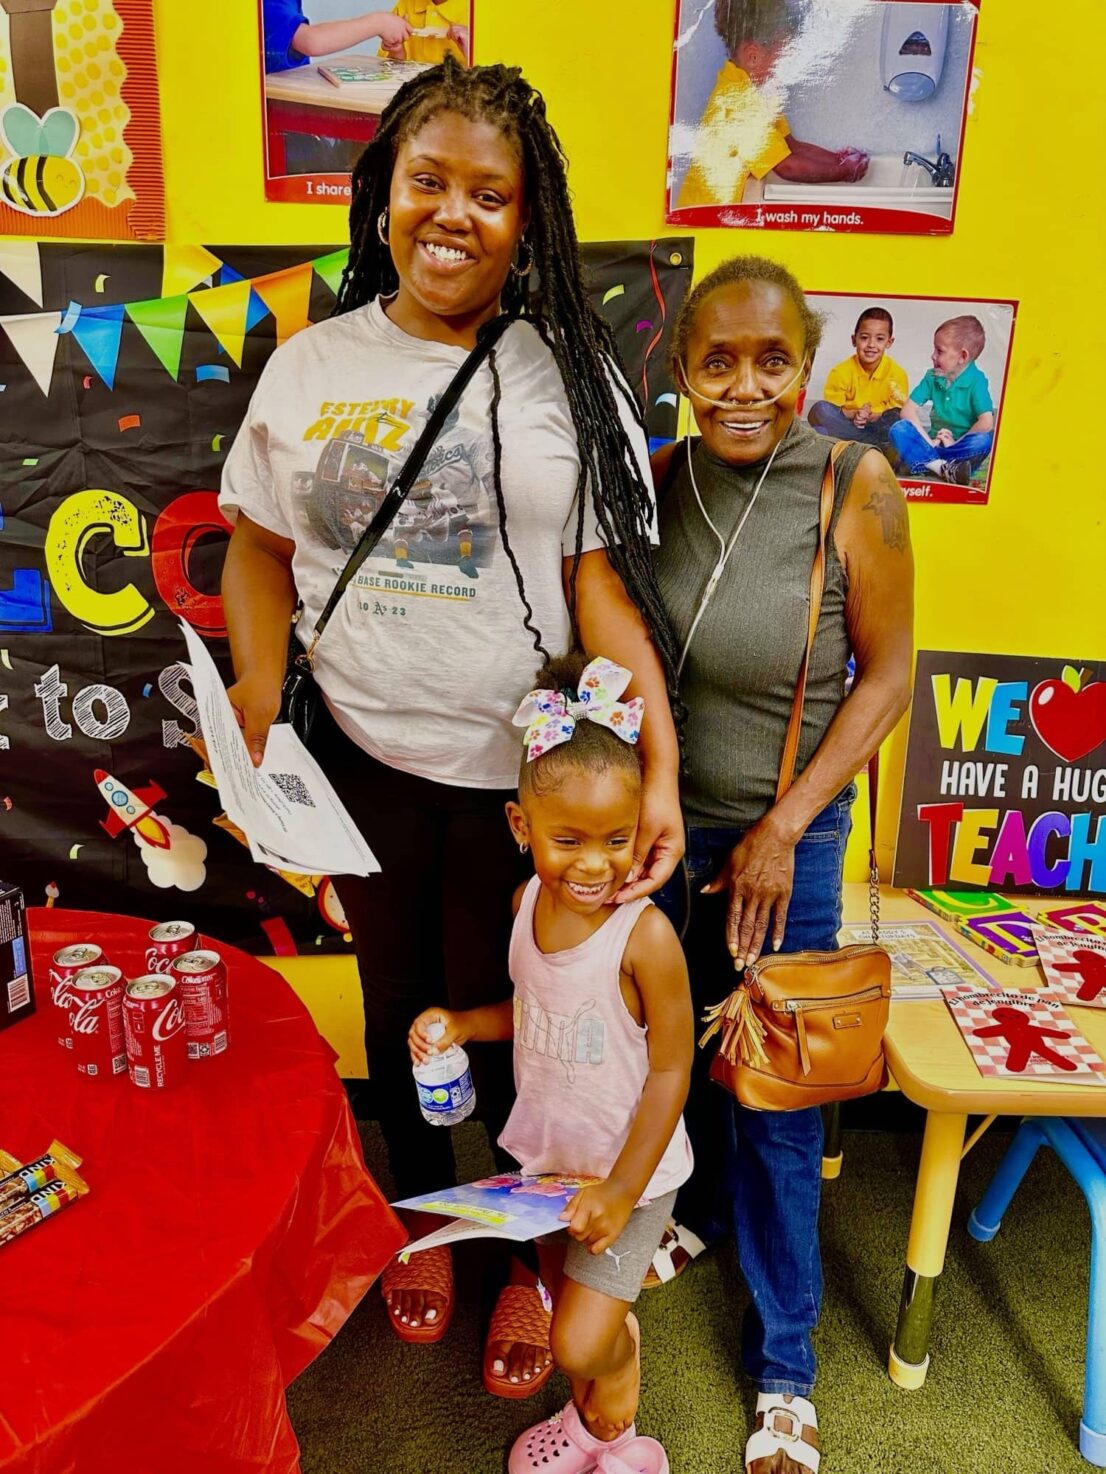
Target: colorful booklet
509	1206
954	906
923	959
1007	935
1023	1036
1074	965
1089	916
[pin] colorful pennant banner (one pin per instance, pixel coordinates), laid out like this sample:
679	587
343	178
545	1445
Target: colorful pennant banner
229	310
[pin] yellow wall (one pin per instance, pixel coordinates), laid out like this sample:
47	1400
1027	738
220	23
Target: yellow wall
1023	574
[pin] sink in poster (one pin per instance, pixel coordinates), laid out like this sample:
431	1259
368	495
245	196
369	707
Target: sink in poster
888	184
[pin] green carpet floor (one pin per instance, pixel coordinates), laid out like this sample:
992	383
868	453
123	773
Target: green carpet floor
1004	1391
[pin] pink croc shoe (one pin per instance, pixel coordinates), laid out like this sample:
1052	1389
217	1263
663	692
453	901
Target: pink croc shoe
639	1456
562	1445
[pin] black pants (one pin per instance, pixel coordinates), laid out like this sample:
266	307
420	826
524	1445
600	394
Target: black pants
432	928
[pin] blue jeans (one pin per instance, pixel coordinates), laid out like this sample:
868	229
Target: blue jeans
828	419
760	1171
914	450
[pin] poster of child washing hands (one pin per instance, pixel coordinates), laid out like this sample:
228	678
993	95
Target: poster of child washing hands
819	114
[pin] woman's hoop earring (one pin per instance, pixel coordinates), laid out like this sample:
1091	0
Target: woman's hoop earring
523	243
523	847
382	226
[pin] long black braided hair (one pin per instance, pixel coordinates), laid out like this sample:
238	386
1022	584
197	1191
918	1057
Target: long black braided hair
552	298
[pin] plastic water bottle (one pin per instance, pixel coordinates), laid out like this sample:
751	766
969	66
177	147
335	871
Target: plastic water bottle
446	1096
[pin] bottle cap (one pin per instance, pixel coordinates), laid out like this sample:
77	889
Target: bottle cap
435	1031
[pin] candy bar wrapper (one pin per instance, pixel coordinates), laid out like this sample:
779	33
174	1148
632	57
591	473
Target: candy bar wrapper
48	1200
20	1180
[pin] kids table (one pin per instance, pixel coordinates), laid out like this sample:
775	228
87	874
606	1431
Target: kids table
930	1064
230	1229
303	101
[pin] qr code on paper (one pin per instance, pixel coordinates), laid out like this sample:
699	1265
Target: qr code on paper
293	788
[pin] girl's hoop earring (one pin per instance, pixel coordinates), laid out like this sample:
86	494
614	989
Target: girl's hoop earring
382	226
524	245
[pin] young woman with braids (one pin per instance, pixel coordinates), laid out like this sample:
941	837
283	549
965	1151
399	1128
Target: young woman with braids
531	524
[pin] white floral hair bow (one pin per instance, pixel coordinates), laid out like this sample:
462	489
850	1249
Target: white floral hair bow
550	717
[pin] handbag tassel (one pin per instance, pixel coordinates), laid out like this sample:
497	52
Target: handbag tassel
741	1029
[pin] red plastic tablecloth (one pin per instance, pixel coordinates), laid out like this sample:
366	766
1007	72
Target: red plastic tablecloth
231	1228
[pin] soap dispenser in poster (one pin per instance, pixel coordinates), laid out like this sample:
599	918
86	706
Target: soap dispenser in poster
912	53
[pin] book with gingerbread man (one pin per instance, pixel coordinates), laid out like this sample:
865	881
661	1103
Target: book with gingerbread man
1023	1036
1074	966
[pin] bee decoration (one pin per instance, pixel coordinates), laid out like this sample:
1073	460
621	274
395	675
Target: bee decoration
41	179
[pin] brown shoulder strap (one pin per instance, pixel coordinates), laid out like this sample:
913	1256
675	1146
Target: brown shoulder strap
817	583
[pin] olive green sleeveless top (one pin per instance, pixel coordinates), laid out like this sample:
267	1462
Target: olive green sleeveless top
738	680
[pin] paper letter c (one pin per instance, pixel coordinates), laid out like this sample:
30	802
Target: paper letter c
80	518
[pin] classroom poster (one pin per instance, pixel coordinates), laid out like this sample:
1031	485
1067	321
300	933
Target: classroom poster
1005	782
819	114
329	68
920	378
80	133
124	374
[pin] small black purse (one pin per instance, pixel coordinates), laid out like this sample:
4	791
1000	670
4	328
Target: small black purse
299	695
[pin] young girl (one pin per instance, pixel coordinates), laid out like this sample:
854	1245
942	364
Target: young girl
602	1029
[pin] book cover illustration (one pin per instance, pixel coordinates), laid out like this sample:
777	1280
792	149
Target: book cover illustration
1074	966
1089	916
923	959
508	1206
1023	1036
956	906
1007	936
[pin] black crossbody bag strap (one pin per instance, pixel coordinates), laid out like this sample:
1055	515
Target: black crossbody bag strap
486	339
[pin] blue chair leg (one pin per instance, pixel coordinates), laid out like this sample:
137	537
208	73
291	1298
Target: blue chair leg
986	1220
1088	1173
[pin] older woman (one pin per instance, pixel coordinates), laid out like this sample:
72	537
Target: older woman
739	529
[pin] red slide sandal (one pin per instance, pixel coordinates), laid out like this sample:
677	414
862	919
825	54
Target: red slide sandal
519	1318
430	1271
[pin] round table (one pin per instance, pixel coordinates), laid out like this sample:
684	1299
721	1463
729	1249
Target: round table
230	1229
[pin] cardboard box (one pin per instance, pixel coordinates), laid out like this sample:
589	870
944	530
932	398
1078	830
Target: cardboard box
17	989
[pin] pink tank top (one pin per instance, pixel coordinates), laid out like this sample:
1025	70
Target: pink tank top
580	1058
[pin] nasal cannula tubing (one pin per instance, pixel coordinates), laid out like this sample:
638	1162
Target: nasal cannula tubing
726	549
739	403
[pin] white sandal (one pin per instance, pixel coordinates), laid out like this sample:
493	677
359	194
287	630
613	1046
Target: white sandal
677	1248
788	1424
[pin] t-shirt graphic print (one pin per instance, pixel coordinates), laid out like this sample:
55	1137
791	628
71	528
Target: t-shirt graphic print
426	658
449	516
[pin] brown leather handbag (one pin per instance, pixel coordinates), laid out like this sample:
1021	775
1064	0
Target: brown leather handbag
806	1028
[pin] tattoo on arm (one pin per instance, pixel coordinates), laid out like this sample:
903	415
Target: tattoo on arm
886	501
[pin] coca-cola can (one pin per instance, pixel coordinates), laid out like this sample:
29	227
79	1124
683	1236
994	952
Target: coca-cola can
64	967
96	1022
202	977
167	940
153	1021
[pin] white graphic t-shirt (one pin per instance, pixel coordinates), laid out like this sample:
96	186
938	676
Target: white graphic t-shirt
425	660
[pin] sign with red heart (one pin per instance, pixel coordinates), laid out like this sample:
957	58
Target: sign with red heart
1068	715
1005	786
